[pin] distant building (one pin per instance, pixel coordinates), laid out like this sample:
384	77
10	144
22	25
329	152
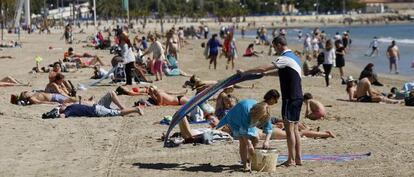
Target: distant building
381	6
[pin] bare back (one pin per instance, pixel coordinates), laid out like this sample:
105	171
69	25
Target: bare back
363	88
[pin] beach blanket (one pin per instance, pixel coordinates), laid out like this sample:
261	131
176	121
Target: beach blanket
205	95
335	158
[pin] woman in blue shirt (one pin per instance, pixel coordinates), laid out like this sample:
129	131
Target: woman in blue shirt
243	119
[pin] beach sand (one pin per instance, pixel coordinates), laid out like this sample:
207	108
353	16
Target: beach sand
129	146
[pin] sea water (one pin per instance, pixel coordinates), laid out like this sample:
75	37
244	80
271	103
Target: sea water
362	36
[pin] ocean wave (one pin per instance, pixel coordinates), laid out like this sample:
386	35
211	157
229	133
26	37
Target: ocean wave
390	39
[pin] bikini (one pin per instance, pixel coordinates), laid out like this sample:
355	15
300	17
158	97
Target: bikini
179	99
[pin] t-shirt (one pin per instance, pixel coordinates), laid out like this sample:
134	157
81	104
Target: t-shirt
214	45
79	110
239	118
144	44
127	54
157	50
329	56
289	70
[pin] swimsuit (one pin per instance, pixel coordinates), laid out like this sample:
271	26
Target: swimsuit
58	98
365	99
179	99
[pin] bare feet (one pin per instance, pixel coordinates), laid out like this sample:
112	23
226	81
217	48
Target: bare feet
286	164
332	135
139	111
246	167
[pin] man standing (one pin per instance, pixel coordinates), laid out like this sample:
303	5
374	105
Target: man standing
288	66
393	54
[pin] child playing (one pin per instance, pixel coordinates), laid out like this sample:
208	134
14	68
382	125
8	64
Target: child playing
314	109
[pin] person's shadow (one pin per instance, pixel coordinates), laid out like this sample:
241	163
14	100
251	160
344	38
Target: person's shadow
189	167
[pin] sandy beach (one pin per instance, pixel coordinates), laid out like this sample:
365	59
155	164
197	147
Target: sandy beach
129	146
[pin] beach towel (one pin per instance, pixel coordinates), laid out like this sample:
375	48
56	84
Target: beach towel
205	95
335	157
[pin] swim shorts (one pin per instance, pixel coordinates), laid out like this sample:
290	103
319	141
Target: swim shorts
102	111
365	99
59	98
393	60
291	109
157	68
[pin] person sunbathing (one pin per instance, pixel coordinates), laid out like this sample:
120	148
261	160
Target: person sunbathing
278	132
41	98
70	56
58	86
314	109
100	109
162	98
365	93
351	87
9	81
251	52
195	83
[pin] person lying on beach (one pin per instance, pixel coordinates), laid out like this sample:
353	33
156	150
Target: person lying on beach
163	98
157	96
9	81
59	85
397	94
6	57
70	56
314	109
250	52
195	83
100	109
225	101
41	98
304	131
243	119
365	92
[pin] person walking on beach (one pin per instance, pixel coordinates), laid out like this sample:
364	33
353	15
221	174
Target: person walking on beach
288	66
393	54
340	59
374	45
231	50
157	56
213	45
329	60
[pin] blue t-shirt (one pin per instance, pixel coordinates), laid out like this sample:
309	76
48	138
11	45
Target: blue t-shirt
144	44
79	110
289	69
239	120
214	45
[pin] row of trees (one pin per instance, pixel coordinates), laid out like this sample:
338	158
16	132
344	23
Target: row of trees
220	8
190	8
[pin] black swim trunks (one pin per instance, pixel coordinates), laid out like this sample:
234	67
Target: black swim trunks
291	109
365	99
